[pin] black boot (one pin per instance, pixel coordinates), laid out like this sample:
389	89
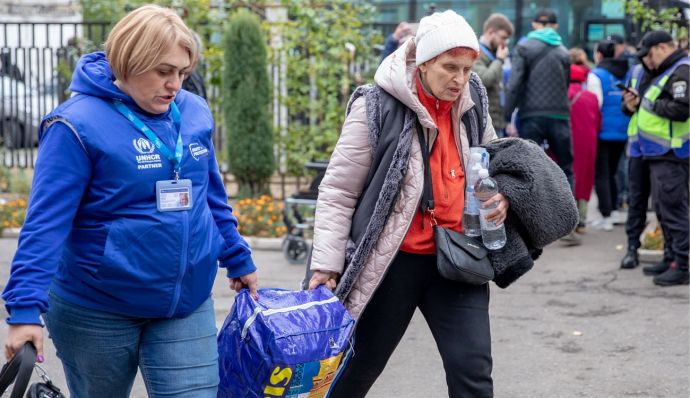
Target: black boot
673	276
630	260
657	269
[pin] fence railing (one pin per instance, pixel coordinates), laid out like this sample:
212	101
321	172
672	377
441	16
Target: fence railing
36	62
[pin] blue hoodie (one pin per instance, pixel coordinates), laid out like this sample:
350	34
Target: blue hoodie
93	234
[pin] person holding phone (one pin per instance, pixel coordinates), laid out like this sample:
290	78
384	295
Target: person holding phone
604	81
494	51
658	100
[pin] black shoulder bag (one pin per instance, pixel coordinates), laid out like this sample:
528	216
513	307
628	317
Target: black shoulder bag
19	369
458	257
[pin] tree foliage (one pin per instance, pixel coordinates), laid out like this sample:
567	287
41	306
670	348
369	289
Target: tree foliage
319	38
322	70
246	97
669	19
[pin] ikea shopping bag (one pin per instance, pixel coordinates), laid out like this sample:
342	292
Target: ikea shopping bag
285	344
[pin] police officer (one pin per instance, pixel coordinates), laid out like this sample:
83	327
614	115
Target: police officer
659	129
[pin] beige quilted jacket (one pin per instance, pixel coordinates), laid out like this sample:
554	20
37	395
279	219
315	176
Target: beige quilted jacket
348	169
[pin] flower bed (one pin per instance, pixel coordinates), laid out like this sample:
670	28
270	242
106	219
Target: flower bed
12	211
262	217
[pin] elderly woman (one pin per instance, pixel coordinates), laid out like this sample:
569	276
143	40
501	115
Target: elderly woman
424	83
127	222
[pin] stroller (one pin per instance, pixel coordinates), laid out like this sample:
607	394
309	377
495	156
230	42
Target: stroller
298	216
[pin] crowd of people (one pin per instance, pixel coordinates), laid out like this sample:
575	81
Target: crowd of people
123	265
616	126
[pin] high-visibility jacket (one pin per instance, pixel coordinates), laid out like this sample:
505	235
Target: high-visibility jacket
650	134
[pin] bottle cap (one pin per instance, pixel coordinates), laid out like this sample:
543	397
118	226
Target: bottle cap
483	173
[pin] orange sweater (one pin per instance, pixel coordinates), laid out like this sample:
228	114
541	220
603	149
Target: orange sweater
448	178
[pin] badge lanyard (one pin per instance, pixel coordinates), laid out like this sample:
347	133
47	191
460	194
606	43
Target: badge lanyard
175	158
488	53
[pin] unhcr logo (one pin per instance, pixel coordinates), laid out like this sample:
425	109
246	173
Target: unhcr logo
143	146
147	159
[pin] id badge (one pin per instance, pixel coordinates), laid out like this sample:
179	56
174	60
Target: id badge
172	195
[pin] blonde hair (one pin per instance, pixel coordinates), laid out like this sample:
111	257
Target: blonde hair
137	42
578	56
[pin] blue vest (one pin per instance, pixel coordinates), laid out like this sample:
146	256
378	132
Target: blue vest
614	123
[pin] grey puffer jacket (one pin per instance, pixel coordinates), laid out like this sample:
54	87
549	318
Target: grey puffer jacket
539	80
347	173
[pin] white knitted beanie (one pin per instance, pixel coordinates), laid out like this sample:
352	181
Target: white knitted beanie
441	31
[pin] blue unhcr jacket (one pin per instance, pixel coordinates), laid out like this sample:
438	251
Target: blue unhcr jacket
93	234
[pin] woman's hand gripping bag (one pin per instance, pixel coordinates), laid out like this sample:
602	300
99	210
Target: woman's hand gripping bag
286	344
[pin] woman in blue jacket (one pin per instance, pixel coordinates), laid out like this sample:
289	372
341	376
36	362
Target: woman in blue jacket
127	222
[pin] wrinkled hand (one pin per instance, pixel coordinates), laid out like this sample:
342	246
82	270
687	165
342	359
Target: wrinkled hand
249	281
323	278
631	99
499	214
18	335
511	130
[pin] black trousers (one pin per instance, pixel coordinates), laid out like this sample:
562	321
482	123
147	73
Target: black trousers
639	189
606	166
670	192
457	314
556	132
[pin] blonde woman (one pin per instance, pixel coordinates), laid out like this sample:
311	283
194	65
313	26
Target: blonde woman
121	267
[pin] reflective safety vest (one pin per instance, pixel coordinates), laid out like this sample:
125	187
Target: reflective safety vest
650	134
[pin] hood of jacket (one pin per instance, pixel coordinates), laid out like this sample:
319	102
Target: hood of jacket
547	35
616	66
93	76
397	76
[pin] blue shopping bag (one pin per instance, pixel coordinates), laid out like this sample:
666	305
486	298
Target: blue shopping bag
285	344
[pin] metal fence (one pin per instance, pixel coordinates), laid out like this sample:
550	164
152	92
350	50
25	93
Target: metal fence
36	62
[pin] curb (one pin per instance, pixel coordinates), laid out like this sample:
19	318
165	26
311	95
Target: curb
650	256
276	244
257	243
10	233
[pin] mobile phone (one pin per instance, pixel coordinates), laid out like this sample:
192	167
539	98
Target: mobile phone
624	88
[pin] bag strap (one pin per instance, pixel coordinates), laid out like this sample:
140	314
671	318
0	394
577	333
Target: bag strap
576	97
427	205
478	110
19	370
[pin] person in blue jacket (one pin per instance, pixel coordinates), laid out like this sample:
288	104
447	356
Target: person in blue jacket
121	266
603	81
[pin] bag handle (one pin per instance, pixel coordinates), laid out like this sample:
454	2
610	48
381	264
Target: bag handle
19	370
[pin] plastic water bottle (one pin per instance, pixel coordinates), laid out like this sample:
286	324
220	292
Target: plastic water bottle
470	215
493	235
483	153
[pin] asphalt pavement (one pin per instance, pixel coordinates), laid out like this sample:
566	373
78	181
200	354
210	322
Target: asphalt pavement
574	326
